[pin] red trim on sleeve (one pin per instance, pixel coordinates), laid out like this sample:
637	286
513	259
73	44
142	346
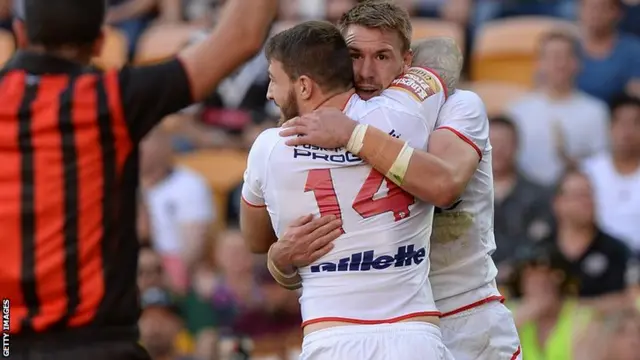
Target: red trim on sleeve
464	138
250	204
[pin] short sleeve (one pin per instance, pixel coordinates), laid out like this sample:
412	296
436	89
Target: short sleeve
464	114
195	200
421	90
255	174
149	93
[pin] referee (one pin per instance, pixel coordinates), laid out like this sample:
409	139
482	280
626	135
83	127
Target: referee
69	136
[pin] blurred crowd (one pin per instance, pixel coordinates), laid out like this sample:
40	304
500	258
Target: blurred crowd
566	161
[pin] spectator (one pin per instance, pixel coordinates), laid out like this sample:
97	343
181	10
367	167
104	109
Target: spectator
160	325
550	321
610	59
486	10
336	8
615	175
131	17
597	260
521	207
150	270
630	17
5	14
558	123
622	334
243	303
180	208
238	102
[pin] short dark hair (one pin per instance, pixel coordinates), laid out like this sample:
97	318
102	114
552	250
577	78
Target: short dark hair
560	35
506	122
621	100
380	14
57	23
315	49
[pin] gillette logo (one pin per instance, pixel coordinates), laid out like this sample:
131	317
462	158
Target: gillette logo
364	261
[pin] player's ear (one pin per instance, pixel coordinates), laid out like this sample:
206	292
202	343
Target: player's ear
305	87
408	58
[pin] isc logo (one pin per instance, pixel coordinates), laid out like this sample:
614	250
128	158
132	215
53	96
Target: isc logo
365	261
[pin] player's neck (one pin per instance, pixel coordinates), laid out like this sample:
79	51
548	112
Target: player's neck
335	100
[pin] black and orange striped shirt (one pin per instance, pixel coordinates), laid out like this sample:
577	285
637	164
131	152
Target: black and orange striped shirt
68	152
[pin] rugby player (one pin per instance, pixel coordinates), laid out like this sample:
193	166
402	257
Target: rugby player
455	175
370	297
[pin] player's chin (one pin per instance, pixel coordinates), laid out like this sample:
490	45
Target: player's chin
367	93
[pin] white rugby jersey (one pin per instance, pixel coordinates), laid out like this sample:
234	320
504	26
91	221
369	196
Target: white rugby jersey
462	241
378	269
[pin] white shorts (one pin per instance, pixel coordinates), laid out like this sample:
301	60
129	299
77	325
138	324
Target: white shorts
405	340
486	332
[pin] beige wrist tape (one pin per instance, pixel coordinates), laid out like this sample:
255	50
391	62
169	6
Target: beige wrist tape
356	141
289	281
399	167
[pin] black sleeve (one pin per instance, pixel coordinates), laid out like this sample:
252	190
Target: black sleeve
149	93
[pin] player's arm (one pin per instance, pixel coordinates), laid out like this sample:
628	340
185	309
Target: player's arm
255	222
438	177
256	228
149	93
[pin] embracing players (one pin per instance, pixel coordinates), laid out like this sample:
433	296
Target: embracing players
370	297
455	174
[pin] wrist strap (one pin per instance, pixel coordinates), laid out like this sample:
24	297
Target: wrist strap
356	141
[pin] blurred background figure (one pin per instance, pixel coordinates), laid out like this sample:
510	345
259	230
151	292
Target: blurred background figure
179	204
557	122
610	58
622	334
549	318
599	261
615	174
131	17
522	208
160	325
150	270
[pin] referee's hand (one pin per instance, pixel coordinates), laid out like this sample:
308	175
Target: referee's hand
305	241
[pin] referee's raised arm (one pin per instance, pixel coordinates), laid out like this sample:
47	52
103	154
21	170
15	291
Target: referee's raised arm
151	92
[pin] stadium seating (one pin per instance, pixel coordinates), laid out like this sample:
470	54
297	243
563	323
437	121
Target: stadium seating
114	53
223	170
425	28
496	95
7	46
162	41
505	50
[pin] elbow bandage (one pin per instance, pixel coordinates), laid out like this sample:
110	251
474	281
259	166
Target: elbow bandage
288	281
388	155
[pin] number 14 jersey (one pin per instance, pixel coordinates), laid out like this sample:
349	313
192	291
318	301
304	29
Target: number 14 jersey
378	269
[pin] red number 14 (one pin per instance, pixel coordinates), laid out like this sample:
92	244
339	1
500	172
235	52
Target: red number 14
396	201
